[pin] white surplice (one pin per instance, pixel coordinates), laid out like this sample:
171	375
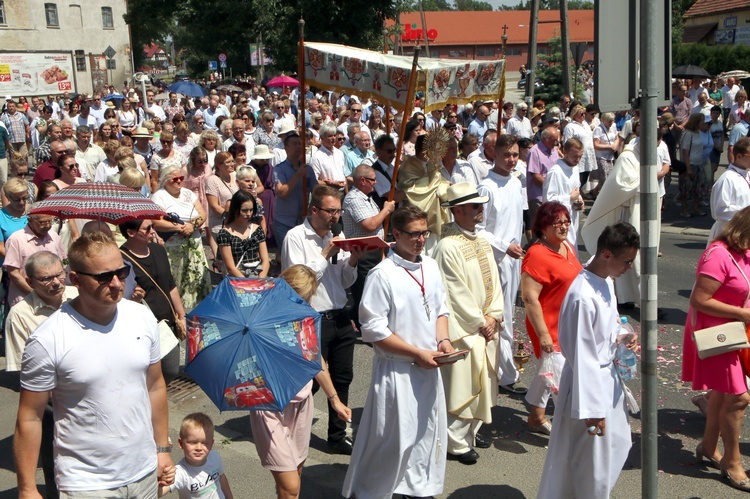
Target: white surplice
730	194
579	465
503	226
400	445
561	180
619	201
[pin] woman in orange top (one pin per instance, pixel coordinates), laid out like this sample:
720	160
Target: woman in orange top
548	269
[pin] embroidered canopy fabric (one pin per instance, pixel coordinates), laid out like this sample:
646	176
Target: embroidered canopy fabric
386	77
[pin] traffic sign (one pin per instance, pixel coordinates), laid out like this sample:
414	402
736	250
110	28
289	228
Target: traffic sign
212	65
223	65
110	52
222	57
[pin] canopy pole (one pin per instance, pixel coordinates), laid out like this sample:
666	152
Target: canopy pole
407	112
301	107
387	106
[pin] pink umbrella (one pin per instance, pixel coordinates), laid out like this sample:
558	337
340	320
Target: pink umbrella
282	81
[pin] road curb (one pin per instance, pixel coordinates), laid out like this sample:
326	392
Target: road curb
685	231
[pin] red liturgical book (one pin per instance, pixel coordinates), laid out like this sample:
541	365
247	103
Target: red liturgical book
369	243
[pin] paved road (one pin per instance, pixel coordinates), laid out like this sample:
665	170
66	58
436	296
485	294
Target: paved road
511	467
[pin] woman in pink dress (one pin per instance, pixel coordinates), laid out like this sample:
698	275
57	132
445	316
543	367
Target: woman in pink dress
720	295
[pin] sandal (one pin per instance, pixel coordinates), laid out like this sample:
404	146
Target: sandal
737	484
544	428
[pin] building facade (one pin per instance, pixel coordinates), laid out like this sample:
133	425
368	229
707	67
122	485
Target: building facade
59	47
718	23
478	34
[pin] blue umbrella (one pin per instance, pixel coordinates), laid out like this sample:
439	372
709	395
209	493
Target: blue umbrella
187	88
114	97
253	344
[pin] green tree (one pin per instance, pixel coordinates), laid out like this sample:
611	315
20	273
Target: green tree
430	5
472	5
551	5
150	21
552	74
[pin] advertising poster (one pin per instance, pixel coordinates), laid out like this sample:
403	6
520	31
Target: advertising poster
24	73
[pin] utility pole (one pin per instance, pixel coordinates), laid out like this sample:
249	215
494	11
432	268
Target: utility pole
424	29
649	56
531	73
565	41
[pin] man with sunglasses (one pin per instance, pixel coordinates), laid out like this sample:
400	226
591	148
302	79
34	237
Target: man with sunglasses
479	126
36	236
97	109
97	351
312	244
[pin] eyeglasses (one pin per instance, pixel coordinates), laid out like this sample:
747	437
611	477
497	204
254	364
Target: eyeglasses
371	179
340	139
331	212
73	165
21	199
356	110
47	280
26	174
201	161
565	223
453	116
420	119
147	229
390	151
177	179
165	141
268	120
106	277
43	223
414	236
200	122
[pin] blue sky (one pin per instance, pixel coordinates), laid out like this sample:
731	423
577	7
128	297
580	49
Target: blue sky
495	3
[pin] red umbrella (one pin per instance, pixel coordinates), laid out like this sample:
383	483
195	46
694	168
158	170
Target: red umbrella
282	81
113	203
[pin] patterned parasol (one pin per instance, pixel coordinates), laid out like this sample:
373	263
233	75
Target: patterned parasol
105	201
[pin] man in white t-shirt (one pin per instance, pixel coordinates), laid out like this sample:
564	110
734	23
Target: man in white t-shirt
93	354
728	92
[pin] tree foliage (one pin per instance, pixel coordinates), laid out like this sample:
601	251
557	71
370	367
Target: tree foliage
552	5
713	58
150	21
440	5
551	75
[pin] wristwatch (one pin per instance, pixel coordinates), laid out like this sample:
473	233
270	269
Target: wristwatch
163	449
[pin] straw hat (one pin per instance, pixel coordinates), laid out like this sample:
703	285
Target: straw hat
141	133
463	193
262	152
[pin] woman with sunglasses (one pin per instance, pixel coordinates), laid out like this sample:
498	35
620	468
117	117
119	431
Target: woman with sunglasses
19	168
547	271
167	156
183	144
182	238
67	172
153	273
265	133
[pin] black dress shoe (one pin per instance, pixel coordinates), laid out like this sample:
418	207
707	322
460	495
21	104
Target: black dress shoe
343	446
628	305
515	388
482	441
465	458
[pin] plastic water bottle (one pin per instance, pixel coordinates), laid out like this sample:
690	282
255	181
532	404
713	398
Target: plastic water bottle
625	359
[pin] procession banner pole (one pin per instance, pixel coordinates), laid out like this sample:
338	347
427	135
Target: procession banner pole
387	106
301	109
407	112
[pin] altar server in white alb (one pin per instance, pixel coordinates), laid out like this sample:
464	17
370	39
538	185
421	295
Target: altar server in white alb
503	228
475	300
590	431
731	192
400	447
563	184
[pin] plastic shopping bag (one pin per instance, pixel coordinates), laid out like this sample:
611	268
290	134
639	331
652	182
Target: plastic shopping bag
550	372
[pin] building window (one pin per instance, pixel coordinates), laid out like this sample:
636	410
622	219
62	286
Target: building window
485	52
107	19
80	61
50	11
3	21
457	54
111	64
513	52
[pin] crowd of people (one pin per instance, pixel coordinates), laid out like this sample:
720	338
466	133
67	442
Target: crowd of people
499	213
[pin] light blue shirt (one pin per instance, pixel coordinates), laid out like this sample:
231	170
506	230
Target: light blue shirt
739	130
478	128
354	158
